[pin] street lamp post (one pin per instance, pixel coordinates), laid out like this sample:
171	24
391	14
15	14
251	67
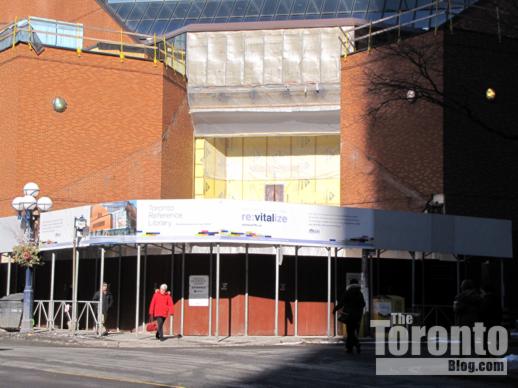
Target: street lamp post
28	209
80	224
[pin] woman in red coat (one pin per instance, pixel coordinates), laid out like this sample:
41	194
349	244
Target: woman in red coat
161	307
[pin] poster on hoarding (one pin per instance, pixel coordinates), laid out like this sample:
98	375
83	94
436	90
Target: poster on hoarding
199	290
57	227
252	222
104	222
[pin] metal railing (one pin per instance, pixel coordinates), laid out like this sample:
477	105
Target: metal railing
56	314
81	38
362	37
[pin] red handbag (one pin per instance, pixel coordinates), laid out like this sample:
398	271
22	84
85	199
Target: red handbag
152	326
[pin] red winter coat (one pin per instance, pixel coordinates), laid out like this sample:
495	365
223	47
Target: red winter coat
161	305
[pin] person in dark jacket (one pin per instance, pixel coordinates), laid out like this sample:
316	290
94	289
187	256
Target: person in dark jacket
467	305
107	303
160	308
352	305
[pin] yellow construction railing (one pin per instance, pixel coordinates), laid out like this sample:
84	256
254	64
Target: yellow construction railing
92	39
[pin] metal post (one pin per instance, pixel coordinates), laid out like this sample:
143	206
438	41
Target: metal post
246	289
328	315
502	285
210	291
27	302
9	261
137	296
144	289
336	290
413	281
100	315
217	288
422	283
119	289
365	287
183	290
51	302
296	319
458	274
277	258
28	293
171	321
74	256
76	283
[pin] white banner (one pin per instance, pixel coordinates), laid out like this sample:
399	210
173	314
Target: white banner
253	222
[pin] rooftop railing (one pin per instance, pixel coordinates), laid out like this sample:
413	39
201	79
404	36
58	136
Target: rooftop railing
39	33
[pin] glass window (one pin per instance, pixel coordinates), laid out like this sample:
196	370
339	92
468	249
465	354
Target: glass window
281	17
377	6
296	17
125	10
235	20
174	25
182	9
167	10
210	9
330	6
284	7
145	26
205	20
392	5
159	27
240	8
314	6
254	8
153	10
345	6
225	8
361	5
196	9
220	20
299	7
138	11
270	6
265	18
132	24
250	19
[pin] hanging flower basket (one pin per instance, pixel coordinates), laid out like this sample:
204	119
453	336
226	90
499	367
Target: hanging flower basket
26	255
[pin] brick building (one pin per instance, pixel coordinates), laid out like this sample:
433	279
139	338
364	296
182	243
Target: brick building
321	123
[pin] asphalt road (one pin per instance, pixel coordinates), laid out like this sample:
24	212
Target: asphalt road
24	364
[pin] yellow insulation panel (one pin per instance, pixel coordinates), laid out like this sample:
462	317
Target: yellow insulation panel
307	168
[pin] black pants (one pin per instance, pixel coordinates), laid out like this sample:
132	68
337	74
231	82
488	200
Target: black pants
160	328
352	337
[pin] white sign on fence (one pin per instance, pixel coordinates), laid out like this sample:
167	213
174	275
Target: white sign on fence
199	290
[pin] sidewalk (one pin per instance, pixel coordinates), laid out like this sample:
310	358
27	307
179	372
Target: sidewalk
148	340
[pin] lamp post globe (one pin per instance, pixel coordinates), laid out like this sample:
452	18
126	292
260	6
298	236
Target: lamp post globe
32	189
29	202
17	204
44	204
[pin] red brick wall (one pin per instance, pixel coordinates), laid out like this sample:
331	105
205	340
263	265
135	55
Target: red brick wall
178	152
106	146
392	160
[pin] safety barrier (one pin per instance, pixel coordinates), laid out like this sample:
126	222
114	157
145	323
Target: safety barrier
39	32
87	318
422	18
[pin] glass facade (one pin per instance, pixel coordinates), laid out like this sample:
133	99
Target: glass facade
164	16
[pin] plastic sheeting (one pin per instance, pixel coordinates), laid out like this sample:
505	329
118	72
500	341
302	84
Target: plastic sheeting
264	69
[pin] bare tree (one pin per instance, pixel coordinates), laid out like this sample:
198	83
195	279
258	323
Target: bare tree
417	66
